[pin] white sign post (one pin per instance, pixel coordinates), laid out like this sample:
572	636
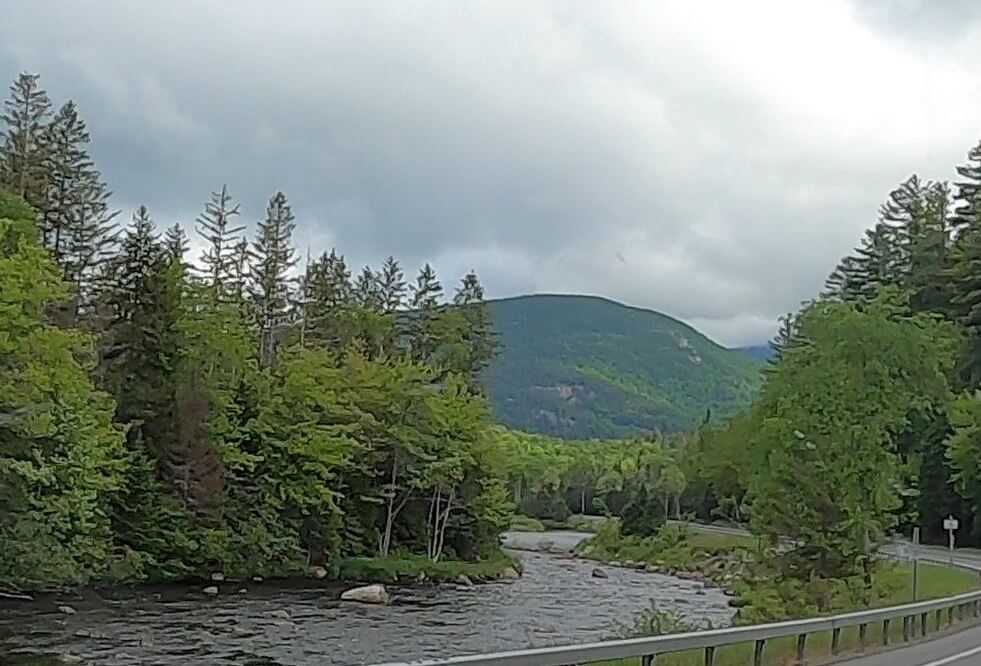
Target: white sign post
951	525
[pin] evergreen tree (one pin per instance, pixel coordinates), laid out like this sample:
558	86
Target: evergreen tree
479	337
425	329
76	221
967	193
214	225
270	283
329	301
392	286
367	292
176	243
22	153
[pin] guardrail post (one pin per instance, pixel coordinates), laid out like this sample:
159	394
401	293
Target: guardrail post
647	660
940	619
836	640
758	653
863	631
885	632
801	644
974	608
906	629
709	656
950	616
923	624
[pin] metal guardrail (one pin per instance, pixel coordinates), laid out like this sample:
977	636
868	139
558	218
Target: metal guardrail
946	610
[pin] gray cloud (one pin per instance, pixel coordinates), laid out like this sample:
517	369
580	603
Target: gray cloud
711	160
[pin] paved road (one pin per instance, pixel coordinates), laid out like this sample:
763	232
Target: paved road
959	649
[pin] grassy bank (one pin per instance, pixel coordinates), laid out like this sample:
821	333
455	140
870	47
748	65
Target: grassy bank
732	562
575	522
409	568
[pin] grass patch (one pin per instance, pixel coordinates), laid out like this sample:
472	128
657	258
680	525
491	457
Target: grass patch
407	568
526	524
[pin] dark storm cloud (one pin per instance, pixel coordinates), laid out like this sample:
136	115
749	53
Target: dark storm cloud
706	159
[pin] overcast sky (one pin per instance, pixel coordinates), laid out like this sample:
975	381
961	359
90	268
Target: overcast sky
711	160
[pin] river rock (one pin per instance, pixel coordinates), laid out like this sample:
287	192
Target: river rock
369	594
68	658
464	580
217	577
686	575
548	629
510	573
280	613
211	590
242	590
67	610
256	579
14	595
319	573
614	563
599	573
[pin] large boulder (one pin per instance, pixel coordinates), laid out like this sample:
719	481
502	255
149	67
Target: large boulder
369	594
510	573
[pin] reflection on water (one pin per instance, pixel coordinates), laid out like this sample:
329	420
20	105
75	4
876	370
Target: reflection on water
557	601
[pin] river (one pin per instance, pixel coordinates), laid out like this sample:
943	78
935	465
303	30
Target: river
557	601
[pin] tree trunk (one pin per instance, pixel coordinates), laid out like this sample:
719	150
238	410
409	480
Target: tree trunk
582	501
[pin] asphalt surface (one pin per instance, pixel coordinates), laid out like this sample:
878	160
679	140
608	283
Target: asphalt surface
957	648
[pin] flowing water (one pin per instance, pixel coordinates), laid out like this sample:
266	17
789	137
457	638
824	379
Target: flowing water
557	601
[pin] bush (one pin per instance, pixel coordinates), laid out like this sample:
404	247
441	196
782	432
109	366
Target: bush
644	515
526	524
653	621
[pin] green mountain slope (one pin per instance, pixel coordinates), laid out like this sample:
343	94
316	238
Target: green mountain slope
581	366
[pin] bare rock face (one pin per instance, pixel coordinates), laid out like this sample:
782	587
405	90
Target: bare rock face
369	594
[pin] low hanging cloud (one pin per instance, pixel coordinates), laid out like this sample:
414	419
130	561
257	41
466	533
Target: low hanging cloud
711	160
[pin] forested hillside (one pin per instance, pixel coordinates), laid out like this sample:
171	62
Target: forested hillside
581	367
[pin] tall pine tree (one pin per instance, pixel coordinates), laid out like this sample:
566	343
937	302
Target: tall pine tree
215	226
425	330
22	152
270	284
479	337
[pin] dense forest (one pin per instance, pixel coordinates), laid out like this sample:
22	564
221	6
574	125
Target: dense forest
163	416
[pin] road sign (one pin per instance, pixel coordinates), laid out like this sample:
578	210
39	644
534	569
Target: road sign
951	525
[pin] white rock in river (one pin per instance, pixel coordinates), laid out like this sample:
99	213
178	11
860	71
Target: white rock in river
464	580
67	610
217	577
319	572
510	573
369	594
211	590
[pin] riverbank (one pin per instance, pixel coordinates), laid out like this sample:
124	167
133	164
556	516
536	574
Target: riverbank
557	600
733	563
417	568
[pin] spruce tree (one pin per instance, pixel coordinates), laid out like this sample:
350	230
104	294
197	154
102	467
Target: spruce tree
176	243
215	226
25	114
329	298
367	292
967	193
391	286
77	223
425	328
481	342
270	282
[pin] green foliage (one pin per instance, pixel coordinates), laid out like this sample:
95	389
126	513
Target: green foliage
654	621
583	367
826	469
61	459
526	524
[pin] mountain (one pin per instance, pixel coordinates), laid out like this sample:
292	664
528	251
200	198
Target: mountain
582	367
759	352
